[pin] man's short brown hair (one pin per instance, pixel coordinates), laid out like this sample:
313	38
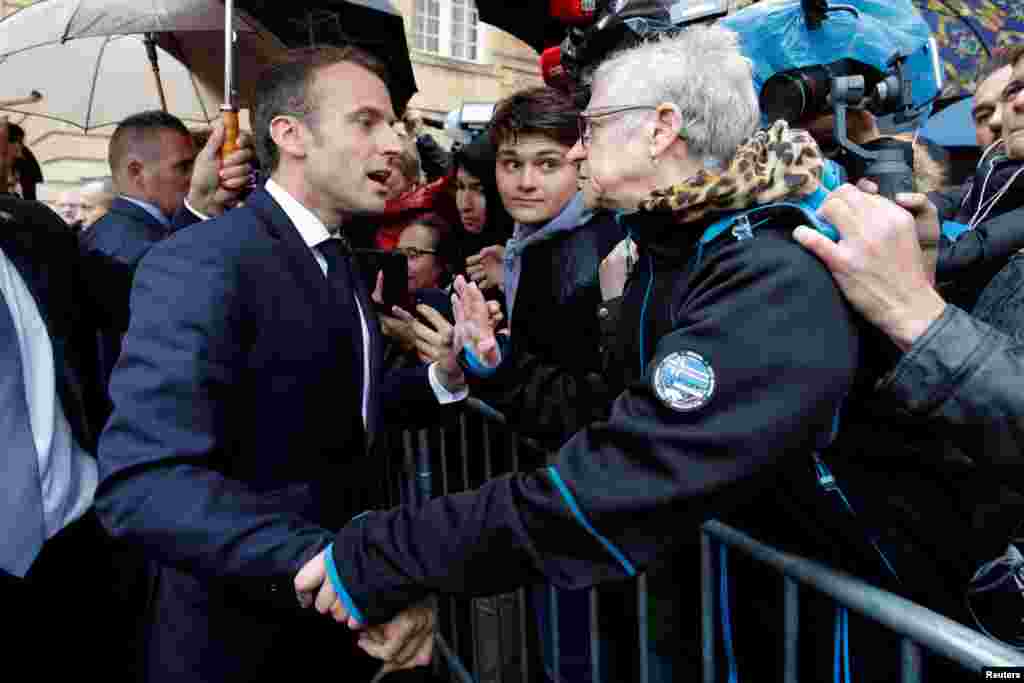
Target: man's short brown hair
536	111
136	135
286	88
1016	53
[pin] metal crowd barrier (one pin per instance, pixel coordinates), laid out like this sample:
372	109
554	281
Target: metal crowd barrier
917	626
497	639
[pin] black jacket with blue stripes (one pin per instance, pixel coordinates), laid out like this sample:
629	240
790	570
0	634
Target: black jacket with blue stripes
735	356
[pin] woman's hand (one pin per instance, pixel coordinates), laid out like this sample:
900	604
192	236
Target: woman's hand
474	322
487	269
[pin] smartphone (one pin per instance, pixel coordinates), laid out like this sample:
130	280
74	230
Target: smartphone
396	274
437	299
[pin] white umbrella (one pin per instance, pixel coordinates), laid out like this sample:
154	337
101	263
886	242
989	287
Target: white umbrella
96	82
57	21
194	31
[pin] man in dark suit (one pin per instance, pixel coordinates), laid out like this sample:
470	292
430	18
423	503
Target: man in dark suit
53	301
51	414
153	158
251	385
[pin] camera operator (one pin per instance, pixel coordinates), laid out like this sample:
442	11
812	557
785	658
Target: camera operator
983	221
959	377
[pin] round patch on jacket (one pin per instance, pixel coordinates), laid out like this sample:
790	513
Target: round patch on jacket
684	381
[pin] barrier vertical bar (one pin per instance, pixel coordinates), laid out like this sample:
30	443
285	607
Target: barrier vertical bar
707	604
424	473
464	438
556	653
458	669
911	662
488	468
524	635
595	636
409	468
791	632
644	628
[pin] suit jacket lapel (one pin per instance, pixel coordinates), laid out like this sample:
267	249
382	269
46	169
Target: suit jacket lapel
376	351
32	252
304	264
298	254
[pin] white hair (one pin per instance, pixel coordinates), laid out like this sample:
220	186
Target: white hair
99	186
702	71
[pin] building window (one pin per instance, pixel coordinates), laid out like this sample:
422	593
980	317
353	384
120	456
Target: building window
450	28
465	20
427	20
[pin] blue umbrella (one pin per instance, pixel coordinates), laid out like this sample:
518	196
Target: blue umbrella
953	126
967	31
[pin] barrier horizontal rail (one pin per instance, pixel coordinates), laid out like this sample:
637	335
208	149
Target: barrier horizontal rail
918	624
477	443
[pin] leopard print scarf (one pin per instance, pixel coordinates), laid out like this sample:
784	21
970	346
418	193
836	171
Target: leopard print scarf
773	164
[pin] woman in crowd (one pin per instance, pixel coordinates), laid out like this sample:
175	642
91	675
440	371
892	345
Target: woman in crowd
425	243
484	221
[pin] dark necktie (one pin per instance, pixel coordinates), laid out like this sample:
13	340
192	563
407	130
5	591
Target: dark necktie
341	278
21	507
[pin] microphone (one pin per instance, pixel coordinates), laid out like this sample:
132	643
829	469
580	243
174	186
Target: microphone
574	12
555	75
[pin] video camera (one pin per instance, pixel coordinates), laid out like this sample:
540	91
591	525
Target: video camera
810	58
827	59
604	26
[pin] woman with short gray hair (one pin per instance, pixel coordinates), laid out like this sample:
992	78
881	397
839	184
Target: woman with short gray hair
734	351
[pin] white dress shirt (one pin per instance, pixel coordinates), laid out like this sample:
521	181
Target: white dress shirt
68	475
314	233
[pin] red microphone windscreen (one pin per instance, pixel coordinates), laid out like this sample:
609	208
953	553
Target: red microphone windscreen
552	70
572	11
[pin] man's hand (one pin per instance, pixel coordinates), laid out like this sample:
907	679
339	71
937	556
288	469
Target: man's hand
615	269
217	184
314	589
487	269
432	342
878	262
405	642
926	219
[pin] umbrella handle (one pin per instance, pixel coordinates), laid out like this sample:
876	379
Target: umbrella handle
230	117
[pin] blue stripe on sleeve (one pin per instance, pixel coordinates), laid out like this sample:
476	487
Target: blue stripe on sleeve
339	588
952	230
571	502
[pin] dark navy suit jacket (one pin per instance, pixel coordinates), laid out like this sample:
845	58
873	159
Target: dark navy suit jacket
70	292
237	443
125	233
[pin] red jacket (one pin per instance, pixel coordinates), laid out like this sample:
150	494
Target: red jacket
399	212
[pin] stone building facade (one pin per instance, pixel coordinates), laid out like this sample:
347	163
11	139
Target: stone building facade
456	59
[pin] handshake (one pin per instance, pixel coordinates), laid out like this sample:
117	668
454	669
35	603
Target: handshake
405	642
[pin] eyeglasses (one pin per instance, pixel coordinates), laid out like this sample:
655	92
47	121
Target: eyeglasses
587	129
1012	89
414	252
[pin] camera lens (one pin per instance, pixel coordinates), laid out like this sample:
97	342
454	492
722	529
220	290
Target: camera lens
784	97
795	95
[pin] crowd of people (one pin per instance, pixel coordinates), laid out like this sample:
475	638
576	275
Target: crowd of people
198	378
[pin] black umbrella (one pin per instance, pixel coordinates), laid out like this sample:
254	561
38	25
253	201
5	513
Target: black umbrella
527	20
374	25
